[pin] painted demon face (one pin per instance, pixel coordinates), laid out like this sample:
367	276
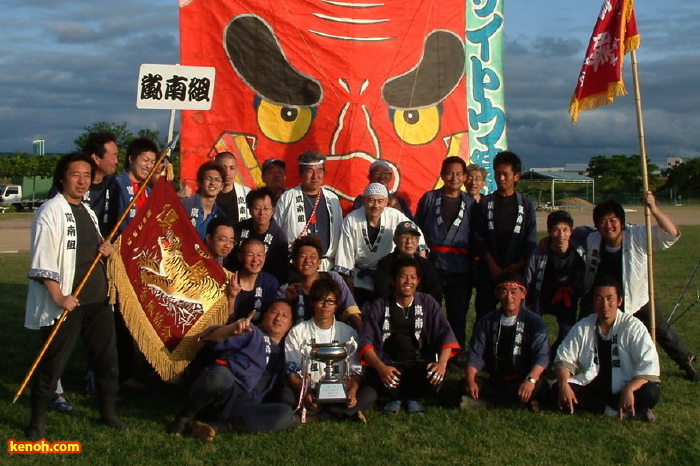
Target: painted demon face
355	81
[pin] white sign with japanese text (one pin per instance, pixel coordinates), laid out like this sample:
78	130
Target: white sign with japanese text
175	87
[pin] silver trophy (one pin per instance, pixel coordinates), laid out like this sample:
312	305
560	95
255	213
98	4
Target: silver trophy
331	387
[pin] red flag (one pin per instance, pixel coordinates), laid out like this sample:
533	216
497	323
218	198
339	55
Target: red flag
168	286
600	81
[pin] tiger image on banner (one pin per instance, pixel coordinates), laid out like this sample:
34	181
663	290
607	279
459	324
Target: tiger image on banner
357	80
168	287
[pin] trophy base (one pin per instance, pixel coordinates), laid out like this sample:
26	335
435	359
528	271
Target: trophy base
331	392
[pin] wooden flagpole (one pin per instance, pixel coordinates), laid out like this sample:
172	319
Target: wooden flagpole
645	180
95	261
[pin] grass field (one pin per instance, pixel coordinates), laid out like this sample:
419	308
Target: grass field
444	435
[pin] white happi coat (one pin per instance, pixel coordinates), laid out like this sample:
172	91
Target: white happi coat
291	217
296	349
52	255
634	261
241	193
357	254
633	352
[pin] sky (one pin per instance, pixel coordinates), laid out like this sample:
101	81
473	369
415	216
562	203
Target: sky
66	65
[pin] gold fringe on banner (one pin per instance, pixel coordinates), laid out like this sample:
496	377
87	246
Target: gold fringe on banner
168	365
596	100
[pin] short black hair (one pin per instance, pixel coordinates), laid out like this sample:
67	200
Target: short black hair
609	206
508	158
278	300
324	286
453	159
65	161
602	280
208	166
402	262
250	240
510	277
137	147
557	217
225	155
255	194
95	143
307	240
217	222
309	157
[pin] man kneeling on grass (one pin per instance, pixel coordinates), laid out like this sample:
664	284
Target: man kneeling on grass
608	362
230	392
305	373
406	341
510	343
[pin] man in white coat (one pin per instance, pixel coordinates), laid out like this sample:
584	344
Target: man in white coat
311	209
365	237
608	361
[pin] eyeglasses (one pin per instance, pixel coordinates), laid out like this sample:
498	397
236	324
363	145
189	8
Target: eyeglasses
213	178
327	302
475	178
262	209
225	239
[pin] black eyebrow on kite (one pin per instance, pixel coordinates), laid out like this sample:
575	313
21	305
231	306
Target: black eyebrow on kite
435	77
258	59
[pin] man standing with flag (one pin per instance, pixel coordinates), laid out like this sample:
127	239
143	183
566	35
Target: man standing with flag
65	240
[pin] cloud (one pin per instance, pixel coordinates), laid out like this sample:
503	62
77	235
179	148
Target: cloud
64	66
557	46
72	33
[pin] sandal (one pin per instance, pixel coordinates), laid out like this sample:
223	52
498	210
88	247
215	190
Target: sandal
392	407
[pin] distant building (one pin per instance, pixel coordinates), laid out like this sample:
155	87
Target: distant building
38	147
574	168
673	160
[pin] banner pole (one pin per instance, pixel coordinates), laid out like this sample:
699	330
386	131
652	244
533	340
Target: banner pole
95	261
645	181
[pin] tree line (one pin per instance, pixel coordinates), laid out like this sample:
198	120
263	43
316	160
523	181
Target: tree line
613	174
25	164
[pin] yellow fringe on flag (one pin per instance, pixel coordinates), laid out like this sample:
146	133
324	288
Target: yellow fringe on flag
168	365
596	100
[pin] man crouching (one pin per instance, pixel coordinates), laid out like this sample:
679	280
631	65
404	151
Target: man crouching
608	362
231	391
510	343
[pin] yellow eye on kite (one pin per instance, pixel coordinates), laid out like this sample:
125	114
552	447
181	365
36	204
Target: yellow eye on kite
416	126
283	124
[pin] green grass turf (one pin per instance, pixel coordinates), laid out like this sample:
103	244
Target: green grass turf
444	435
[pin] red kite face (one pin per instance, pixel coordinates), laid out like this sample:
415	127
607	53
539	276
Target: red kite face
356	81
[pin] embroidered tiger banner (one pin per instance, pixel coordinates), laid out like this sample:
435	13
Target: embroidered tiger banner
409	82
168	287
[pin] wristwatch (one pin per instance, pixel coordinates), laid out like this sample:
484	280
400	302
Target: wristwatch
531	380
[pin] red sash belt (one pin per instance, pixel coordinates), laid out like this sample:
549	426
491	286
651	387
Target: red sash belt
449	249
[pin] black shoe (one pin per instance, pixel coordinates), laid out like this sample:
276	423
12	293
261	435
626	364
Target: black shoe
690	372
35	433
